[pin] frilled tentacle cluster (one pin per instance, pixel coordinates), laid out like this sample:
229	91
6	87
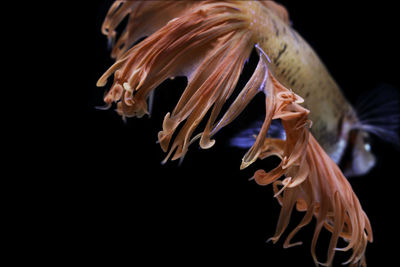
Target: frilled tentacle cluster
313	182
209	42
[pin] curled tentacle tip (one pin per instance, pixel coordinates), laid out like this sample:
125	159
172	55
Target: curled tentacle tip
293	244
129	101
285	161
141	82
272	239
165	160
298	99
127	87
101	82
105	107
244	165
259	175
206	144
286	183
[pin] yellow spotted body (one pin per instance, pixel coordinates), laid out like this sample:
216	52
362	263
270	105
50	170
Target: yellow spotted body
296	65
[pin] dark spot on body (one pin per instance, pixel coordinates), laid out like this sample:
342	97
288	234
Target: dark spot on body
293	82
296	71
275	28
289	74
294	35
307	94
280	52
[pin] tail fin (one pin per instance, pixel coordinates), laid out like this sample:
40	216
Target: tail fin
209	43
379	113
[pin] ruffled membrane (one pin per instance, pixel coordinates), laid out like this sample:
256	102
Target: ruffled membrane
313	182
209	42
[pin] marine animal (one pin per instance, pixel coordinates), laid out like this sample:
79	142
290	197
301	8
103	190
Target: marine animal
209	42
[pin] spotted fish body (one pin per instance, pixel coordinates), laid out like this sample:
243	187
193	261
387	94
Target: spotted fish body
295	64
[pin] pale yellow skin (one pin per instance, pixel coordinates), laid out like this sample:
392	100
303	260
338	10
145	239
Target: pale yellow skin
296	65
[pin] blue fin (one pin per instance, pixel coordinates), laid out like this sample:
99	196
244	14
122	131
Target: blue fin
379	113
245	138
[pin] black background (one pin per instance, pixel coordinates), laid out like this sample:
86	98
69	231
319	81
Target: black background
206	211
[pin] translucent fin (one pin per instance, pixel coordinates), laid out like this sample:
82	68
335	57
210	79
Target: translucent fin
379	113
245	138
